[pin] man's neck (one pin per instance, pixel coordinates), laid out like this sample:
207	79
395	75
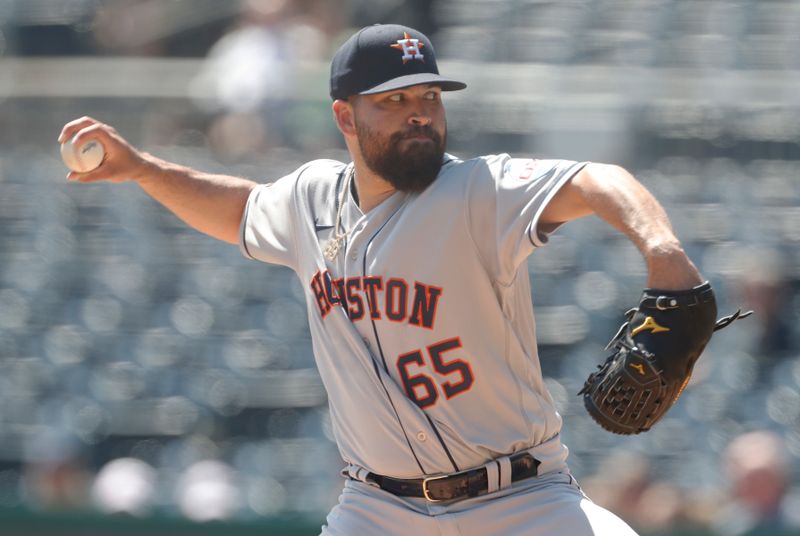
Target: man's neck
371	189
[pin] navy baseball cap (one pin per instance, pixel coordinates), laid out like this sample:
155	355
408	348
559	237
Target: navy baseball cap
384	57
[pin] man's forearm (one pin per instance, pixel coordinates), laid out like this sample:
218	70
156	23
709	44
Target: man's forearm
212	204
616	197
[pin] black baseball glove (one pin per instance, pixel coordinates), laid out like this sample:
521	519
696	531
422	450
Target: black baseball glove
654	353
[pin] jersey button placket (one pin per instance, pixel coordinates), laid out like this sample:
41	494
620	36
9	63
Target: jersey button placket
352	249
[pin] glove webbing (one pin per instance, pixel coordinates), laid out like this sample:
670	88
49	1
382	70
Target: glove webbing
726	321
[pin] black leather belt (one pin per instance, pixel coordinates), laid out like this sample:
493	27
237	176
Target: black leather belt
461	485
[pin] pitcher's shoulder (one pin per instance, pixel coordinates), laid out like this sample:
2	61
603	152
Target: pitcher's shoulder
317	179
478	168
321	171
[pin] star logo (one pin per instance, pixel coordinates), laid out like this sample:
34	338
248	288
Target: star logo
410	47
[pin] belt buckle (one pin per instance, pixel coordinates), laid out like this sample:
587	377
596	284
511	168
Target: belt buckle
425	491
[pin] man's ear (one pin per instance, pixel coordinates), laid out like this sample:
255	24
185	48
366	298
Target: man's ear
345	117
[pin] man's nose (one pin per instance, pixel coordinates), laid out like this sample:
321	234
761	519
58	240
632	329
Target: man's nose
419	119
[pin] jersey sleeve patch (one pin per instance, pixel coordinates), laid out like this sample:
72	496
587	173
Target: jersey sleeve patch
505	202
520	169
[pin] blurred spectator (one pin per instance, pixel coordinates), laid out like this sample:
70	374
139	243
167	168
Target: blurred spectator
621	479
419	14
248	74
208	491
185	28
757	466
125	485
767	289
55	475
662	507
625	484
46	28
57	485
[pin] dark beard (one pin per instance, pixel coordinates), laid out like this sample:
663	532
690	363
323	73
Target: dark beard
411	170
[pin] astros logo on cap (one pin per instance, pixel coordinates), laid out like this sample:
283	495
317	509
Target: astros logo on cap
410	48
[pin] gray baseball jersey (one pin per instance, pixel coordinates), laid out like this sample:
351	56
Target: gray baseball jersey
422	324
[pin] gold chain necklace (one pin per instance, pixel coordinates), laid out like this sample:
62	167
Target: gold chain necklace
339	238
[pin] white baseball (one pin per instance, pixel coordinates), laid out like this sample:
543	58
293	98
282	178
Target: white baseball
83	158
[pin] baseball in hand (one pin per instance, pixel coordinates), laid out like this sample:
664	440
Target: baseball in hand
83	158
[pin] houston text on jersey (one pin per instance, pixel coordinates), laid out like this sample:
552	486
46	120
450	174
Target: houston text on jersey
401	301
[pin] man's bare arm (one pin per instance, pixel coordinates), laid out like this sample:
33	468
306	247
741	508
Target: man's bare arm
212	204
616	197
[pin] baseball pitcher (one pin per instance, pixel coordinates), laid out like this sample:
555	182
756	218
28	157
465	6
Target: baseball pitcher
414	267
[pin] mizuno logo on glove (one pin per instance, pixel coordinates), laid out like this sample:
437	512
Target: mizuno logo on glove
638	367
650	324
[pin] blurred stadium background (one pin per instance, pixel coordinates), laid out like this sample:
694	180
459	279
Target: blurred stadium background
149	372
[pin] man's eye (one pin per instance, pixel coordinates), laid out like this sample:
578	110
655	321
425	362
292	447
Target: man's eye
396	97
432	95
